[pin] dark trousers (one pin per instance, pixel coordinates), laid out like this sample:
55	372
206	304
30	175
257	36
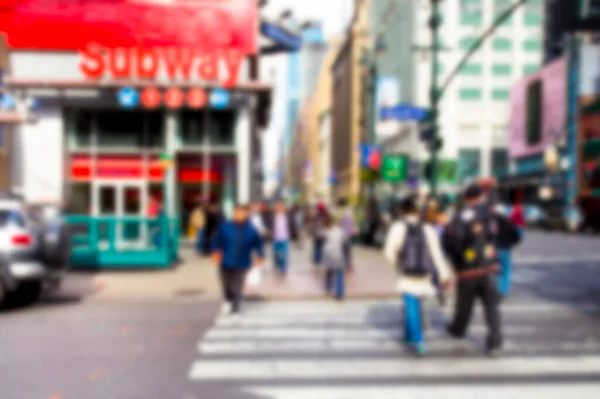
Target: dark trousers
232	281
348	252
484	288
318	244
334	282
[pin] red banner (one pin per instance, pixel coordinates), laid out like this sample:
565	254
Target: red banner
207	25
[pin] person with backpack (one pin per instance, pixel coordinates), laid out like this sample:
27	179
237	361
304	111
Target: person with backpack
414	248
334	255
471	240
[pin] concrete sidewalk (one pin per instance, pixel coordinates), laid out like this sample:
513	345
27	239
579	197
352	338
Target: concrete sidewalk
371	277
196	279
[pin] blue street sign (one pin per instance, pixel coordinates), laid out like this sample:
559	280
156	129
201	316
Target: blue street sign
220	98
403	112
7	103
128	97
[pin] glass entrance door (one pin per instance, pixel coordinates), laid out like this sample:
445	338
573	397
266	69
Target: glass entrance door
126	202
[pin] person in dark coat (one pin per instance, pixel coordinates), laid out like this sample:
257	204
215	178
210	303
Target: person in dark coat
214	218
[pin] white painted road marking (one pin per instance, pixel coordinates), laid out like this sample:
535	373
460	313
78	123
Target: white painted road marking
430	391
318	369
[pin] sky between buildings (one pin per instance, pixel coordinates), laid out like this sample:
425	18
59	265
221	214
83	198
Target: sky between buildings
334	16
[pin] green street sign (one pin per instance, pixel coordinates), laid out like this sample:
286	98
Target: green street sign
394	168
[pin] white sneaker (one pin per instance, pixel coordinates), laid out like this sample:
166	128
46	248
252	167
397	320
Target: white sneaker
226	309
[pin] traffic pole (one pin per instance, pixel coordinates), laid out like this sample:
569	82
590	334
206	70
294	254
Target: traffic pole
434	25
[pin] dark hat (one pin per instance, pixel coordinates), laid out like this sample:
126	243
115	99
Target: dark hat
473	192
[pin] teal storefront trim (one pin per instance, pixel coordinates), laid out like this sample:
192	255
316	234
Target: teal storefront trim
123	242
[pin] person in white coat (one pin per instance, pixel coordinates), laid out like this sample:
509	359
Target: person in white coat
414	249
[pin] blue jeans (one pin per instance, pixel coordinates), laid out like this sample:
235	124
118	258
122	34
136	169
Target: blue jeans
335	277
317	251
413	332
504	256
199	241
280	255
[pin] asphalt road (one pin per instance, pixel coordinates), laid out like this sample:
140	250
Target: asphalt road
314	350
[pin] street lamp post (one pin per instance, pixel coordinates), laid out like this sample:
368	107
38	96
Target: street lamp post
434	25
436	92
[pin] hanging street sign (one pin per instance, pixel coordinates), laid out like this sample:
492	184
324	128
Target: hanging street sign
370	156
403	112
128	97
394	168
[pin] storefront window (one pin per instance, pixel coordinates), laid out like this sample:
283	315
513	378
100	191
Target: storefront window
80	129
220	124
120	128
80	199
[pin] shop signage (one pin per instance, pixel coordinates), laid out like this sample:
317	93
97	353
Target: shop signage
128	97
70	25
151	97
178	63
220	98
394	168
403	112
370	156
196	98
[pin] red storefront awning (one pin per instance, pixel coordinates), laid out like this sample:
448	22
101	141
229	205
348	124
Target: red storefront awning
206	25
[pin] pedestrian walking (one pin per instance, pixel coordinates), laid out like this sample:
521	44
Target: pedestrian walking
471	241
257	219
506	244
233	246
282	229
334	256
198	226
414	248
348	224
317	230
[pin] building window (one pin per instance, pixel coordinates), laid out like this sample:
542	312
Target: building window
499	162
500	6
471	12
529	69
440	68
469	164
532	45
500	94
502	69
467	42
534	112
533	18
471	69
470	94
502	44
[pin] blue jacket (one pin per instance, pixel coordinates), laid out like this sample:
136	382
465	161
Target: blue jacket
236	242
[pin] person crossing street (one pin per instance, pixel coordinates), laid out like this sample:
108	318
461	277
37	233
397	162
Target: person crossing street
233	246
471	241
414	248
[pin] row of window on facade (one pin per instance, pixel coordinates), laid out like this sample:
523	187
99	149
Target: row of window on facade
146	129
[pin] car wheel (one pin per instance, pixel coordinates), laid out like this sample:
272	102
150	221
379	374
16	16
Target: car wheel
25	294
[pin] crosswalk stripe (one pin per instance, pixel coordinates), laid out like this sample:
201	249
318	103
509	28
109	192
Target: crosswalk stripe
325	347
334	333
324	369
319	309
430	391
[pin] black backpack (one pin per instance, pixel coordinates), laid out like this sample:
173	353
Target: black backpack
414	259
479	239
